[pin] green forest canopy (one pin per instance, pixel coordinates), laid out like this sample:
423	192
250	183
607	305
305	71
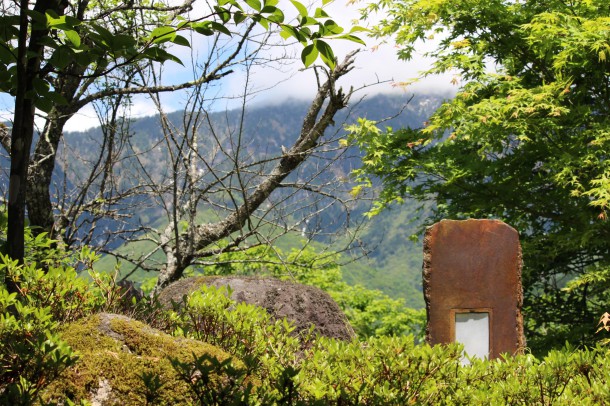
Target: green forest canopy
525	140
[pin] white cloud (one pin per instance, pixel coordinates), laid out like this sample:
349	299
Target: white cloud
375	63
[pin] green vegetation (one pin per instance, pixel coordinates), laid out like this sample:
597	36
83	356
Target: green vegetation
228	353
525	140
369	311
129	373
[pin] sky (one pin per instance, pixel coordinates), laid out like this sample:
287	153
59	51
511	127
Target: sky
375	63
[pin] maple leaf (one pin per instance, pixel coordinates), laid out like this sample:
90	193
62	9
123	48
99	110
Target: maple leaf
605	322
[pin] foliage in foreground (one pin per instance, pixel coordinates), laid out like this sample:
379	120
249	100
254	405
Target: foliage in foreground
269	364
380	370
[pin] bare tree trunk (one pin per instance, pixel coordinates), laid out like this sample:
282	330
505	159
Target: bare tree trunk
40	173
40	209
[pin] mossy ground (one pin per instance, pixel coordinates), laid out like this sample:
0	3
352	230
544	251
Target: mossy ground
120	351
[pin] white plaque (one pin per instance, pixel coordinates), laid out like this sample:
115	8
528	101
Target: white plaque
472	330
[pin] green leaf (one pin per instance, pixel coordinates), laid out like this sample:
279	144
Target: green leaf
163	34
238	17
357	28
289	31
50	42
224	14
230	2
255	4
103	37
73	37
332	28
5	79
39	20
220	28
160	55
61	22
203	28
300	8
263	22
326	53
89	57
276	17
352	38
41	86
57	98
7	55
319	13
123	42
62	57
8	28
44	104
180	40
305	21
309	55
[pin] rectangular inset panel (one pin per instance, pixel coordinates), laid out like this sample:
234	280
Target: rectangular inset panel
472	330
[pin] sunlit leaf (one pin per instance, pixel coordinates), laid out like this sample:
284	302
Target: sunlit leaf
73	37
300	8
163	34
309	55
326	53
255	4
352	38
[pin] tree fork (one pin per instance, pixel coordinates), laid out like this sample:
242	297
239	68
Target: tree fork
318	118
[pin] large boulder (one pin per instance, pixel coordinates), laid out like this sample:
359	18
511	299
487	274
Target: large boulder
301	304
115	353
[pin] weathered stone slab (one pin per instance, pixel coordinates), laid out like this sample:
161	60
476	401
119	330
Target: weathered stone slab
474	266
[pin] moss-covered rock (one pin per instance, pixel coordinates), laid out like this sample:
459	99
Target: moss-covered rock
115	353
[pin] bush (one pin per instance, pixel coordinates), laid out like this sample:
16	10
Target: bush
267	348
50	293
31	352
281	369
270	364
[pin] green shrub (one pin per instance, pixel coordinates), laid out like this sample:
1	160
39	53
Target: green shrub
280	369
370	312
50	293
266	346
31	353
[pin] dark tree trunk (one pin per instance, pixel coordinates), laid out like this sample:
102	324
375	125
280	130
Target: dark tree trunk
28	69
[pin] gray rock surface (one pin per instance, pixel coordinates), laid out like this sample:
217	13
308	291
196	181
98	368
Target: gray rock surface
301	304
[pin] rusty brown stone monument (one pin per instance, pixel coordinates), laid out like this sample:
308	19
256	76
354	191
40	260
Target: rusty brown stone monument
472	286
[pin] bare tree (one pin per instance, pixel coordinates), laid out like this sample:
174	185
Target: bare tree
219	192
97	197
